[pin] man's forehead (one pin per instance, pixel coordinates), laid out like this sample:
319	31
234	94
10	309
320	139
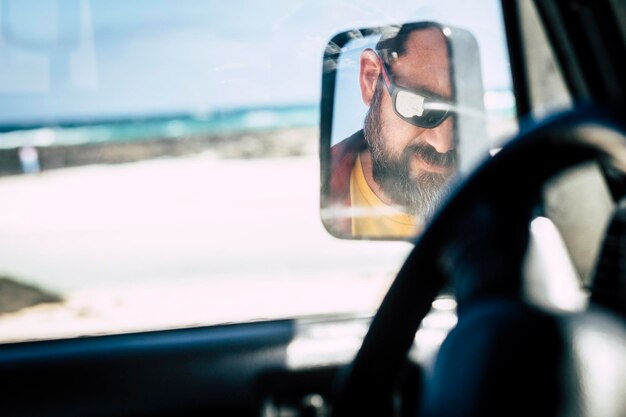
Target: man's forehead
424	63
428	39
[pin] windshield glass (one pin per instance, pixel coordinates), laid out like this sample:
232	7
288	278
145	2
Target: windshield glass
159	162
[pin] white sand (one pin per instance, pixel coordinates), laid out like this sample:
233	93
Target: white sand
180	242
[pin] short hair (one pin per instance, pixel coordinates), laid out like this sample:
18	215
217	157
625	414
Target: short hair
393	39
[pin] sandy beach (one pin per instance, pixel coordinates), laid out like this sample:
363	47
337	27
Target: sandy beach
181	241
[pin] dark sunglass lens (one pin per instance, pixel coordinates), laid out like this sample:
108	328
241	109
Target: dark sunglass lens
433	117
418	110
429	119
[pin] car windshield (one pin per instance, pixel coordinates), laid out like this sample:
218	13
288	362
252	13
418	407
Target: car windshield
159	161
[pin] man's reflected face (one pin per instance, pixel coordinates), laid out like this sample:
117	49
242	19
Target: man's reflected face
413	164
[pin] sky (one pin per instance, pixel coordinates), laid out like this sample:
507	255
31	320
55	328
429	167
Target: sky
73	59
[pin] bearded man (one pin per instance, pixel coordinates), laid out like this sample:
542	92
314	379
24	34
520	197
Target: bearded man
392	173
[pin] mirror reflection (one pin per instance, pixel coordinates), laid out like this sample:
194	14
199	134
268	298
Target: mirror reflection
386	177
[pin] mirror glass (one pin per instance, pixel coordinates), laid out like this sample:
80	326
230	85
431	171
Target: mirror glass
399	106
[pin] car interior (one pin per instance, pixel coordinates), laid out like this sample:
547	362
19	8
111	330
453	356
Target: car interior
512	300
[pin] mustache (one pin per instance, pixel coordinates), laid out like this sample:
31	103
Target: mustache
429	154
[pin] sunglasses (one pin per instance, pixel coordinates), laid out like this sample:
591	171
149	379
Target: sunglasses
416	106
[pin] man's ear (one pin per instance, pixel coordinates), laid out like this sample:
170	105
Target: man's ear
368	75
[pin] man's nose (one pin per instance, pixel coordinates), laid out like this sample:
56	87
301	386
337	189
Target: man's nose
441	137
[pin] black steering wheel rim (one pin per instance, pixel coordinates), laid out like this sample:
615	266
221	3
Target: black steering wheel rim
518	171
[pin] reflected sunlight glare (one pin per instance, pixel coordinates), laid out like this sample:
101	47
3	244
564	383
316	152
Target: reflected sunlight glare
551	280
599	342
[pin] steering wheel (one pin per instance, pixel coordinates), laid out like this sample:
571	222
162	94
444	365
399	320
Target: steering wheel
476	243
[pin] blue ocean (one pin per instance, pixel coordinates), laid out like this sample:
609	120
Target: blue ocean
226	122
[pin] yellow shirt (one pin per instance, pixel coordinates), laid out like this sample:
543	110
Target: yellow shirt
371	217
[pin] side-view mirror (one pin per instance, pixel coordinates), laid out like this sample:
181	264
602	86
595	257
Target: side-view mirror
402	115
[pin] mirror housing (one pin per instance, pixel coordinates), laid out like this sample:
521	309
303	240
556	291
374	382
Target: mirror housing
413	94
